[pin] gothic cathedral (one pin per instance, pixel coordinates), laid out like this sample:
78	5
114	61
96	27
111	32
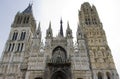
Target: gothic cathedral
25	56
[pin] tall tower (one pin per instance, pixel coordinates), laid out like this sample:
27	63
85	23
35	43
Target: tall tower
101	60
18	44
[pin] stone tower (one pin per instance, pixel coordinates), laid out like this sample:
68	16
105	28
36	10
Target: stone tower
26	57
18	45
101	60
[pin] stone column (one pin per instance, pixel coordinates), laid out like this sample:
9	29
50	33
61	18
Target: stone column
95	76
105	76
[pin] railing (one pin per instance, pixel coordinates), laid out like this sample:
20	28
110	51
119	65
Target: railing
58	61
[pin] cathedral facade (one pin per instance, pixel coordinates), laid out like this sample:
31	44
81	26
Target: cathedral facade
25	56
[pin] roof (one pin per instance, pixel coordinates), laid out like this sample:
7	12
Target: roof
28	9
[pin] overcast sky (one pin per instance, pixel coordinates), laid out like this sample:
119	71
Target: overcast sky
52	10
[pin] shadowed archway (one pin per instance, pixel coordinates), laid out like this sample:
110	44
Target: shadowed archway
59	65
59	52
59	75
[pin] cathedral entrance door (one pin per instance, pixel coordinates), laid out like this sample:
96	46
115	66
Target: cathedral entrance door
59	75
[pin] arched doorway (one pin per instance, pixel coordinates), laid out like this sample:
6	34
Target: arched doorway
58	66
59	75
108	75
100	76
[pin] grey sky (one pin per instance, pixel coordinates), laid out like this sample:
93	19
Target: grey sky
52	10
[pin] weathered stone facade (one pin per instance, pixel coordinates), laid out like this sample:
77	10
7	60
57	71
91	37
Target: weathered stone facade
26	57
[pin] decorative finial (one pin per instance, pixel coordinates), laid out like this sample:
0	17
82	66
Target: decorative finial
68	25
50	25
61	21
39	26
61	28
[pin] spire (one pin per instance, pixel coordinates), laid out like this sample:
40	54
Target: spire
39	29
37	34
68	31
50	25
68	27
61	28
80	33
28	9
49	31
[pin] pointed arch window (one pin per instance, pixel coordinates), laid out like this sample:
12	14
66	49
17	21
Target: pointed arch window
22	35
87	21
19	20
9	47
94	21
22	46
18	47
15	34
27	20
13	45
59	54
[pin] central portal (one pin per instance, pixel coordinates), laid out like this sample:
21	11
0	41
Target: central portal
59	75
59	65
